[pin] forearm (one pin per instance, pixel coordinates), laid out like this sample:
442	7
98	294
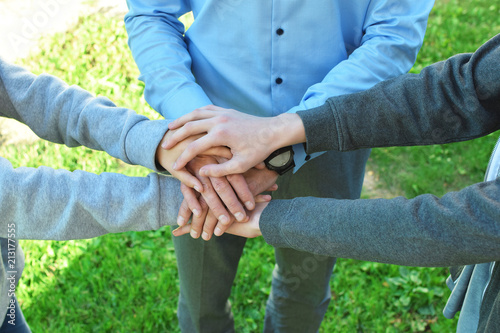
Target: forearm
156	39
460	228
449	101
72	116
56	204
389	40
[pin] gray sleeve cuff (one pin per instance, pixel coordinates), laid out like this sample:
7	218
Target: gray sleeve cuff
321	128
143	140
271	222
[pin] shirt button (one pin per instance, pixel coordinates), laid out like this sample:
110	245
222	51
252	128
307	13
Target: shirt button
280	32
279	80
308	157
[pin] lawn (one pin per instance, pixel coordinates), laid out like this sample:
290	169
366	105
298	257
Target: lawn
128	282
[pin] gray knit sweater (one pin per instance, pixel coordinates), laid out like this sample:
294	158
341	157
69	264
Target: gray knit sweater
454	100
44	203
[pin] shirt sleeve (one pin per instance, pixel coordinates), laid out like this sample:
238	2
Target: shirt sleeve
454	100
49	204
392	36
460	228
156	39
72	116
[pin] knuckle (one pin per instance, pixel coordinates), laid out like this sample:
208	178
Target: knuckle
221	132
219	185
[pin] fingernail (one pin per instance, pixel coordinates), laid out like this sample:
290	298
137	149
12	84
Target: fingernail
239	216
218	231
181	221
196	212
203	172
193	233
204	235
249	205
223	219
174	166
197	189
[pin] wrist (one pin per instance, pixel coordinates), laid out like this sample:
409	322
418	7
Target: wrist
291	130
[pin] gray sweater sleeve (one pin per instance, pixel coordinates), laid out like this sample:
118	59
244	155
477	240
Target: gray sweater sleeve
455	100
44	203
56	204
450	101
458	229
72	116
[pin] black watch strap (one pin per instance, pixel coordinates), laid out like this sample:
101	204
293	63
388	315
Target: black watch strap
283	167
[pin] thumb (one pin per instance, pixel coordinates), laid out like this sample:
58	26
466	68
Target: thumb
233	166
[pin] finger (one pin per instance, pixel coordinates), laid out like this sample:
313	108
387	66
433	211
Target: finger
260	166
197	114
197	222
262	198
184	214
195	148
272	188
208	226
192	128
191	197
188	179
182	230
219	151
233	166
240	186
213	201
226	193
220	229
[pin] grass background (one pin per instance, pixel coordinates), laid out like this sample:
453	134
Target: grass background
128	282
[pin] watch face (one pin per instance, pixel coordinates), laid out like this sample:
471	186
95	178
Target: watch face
280	160
493	170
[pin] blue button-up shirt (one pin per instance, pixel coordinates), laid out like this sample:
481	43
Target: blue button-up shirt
266	57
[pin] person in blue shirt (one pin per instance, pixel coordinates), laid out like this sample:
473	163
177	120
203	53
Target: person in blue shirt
266	58
449	101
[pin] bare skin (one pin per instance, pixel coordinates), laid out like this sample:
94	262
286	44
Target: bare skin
251	139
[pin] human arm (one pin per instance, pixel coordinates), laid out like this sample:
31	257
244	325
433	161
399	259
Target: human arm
454	100
156	39
392	34
458	229
389	37
251	139
44	203
72	116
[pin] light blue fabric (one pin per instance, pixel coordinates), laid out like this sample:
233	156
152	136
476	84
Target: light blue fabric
266	57
467	295
372	41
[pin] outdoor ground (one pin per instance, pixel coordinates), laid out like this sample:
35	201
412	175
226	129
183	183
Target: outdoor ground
128	282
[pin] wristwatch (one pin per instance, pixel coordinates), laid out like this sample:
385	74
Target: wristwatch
281	160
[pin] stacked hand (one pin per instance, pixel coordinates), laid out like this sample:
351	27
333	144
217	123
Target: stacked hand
213	202
251	139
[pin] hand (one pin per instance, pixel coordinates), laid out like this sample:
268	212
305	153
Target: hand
251	139
248	229
217	194
166	158
258	182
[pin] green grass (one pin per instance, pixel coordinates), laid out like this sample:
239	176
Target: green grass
454	27
128	282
